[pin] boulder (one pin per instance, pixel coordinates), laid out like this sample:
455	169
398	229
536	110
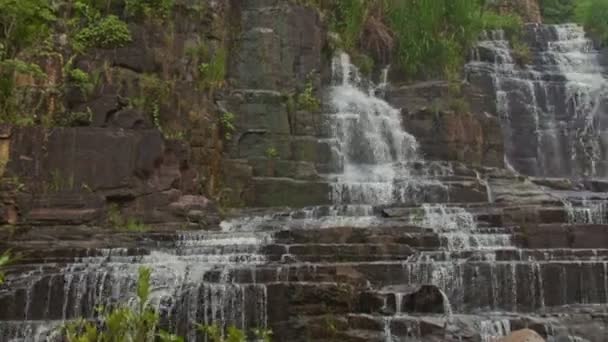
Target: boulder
524	335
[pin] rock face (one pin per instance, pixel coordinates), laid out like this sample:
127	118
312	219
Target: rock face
529	10
525	335
447	132
274	151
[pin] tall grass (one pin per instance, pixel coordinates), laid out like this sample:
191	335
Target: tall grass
432	35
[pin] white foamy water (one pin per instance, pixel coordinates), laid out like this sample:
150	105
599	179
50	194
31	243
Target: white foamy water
370	146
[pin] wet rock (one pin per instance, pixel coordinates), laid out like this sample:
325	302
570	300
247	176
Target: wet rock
426	299
525	335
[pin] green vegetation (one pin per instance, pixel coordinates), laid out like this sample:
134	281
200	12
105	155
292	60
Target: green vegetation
22	24
74	119
139	323
593	14
5	259
123	323
156	9
212	75
81	80
227	124
11	93
428	38
272	153
59	182
119	222
233	334
557	11
102	32
306	100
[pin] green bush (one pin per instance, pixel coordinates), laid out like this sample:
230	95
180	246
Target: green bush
11	111
227	123
123	323
119	222
593	14
5	259
105	33
22	24
557	11
512	24
307	100
212	74
159	9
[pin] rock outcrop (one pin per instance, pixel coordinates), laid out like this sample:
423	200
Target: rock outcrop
273	155
525	335
529	10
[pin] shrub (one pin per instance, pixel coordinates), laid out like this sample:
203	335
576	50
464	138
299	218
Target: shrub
213	74
593	14
512	24
521	52
272	153
119	222
22	24
227	123
11	111
159	9
5	260
214	333
557	11
123	323
307	100
105	33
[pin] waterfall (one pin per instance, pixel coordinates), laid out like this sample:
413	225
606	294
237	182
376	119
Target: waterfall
371	149
550	110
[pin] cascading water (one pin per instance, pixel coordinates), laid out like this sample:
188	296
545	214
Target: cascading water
550	110
189	284
376	158
371	150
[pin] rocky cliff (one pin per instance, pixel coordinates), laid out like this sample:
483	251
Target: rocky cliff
368	212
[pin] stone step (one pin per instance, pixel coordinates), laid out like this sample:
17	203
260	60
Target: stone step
455	328
403	234
337	252
512	286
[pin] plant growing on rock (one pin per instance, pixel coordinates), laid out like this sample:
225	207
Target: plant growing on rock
156	9
213	73
227	124
11	111
105	33
79	79
137	323
272	153
214	333
119	222
306	100
22	24
5	260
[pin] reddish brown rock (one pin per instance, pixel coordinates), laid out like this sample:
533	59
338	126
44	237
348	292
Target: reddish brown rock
524	335
529	10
